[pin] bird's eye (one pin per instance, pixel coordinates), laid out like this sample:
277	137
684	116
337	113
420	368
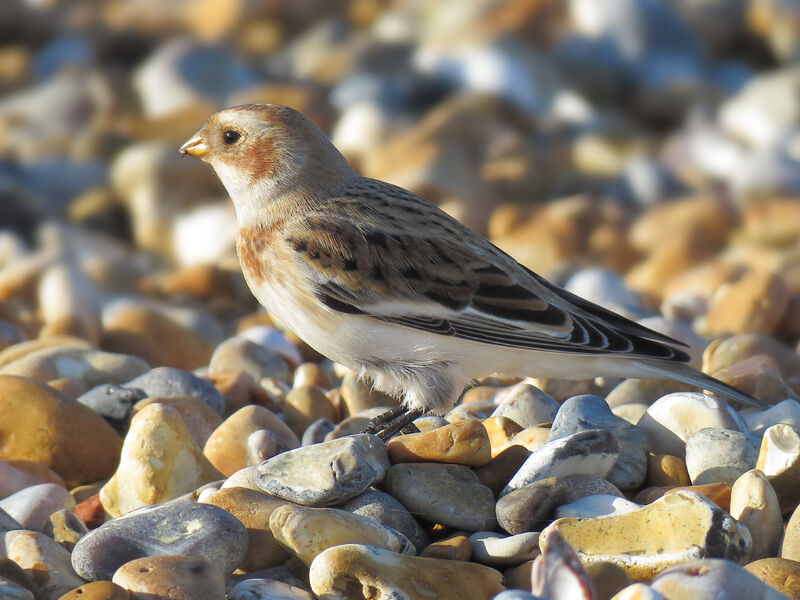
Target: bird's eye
231	137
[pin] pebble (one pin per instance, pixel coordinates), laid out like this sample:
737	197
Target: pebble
7	522
12	591
758	376
359	395
786	412
526	405
708	578
447	494
790	544
226	447
666	470
499	550
355	423
722	353
385	509
340	570
647	541
112	402
755	504
607	579
670	420
327	473
167	381
276	341
46	561
755	303
531	507
259	362
178	577
779	460
44	426
317	431
591	452
638	591
501	430
13	479
581	413
461	443
65	527
200	419
97	590
159	462
183	528
306	532
261	445
267	589
304	405
779	573
453	547
596	505
558	572
253	508
719	455
498	472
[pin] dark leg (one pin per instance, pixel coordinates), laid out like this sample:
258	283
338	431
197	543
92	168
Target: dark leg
393	421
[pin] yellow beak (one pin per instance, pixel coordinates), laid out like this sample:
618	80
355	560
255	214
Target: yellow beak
195	147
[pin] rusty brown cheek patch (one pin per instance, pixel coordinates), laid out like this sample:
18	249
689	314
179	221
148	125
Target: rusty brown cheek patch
261	161
252	244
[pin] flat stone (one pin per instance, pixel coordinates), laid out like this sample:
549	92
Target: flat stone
532	506
166	381
256	360
253	508
31	506
447	494
779	573
591	452
525	404
327	473
710	578
183	528
666	470
43	558
267	589
304	405
178	577
453	547
582	413
461	443
500	550
340	570
384	509
45	426
306	532
674	529
112	402
596	505
200	419
755	504
779	460
719	455
226	447
670	420
159	462
97	590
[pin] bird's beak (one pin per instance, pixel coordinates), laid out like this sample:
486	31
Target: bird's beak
195	147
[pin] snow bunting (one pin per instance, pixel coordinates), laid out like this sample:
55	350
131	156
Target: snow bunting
379	280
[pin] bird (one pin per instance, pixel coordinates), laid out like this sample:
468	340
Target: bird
387	284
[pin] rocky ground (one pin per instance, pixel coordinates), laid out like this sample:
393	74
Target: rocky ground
158	430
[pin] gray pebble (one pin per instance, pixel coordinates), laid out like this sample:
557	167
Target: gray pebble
113	402
384	509
714	454
32	505
326	473
516	595
11	591
499	550
8	523
182	528
166	381
526	405
316	432
252	358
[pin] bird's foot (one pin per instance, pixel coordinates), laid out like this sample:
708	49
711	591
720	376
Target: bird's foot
392	422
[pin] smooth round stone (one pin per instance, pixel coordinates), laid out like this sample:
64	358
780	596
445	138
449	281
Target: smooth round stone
358	395
340	570
607	579
383	508
174	577
779	460
304	405
558	571
11	572
13	480
525	404
12	591
665	470
632	413
246	478
498	472
719	493
758	376
97	590
754	303
710	578
310	373
454	547
45	426
112	402
253	508
596	505
499	550
327	473
31	506
22	349
790	545
582	413
519	576
38	554
532	506
779	573
306	532
591	452
90	366
274	340
672	419
641	391
674	529
267	589
447	494
719	455
638	591
473	411
355	423
182	528
65	527
501	430
166	381
261	445
200	419
755	504
722	353
786	412
159	461
315	433
226	447
254	359
461	443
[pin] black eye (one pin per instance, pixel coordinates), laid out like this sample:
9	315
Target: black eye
230	136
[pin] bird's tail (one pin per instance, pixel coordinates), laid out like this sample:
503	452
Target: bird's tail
686	374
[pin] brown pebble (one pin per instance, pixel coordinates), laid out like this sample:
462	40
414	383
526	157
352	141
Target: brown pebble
607	579
666	470
91	511
306	404
464	443
498	472
719	493
782	574
97	590
454	547
173	577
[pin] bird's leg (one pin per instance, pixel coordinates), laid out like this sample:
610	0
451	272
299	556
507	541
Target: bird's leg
394	421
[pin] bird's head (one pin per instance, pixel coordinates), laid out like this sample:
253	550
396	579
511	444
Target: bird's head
264	152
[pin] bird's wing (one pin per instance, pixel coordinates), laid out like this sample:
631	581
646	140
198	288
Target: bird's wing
442	278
